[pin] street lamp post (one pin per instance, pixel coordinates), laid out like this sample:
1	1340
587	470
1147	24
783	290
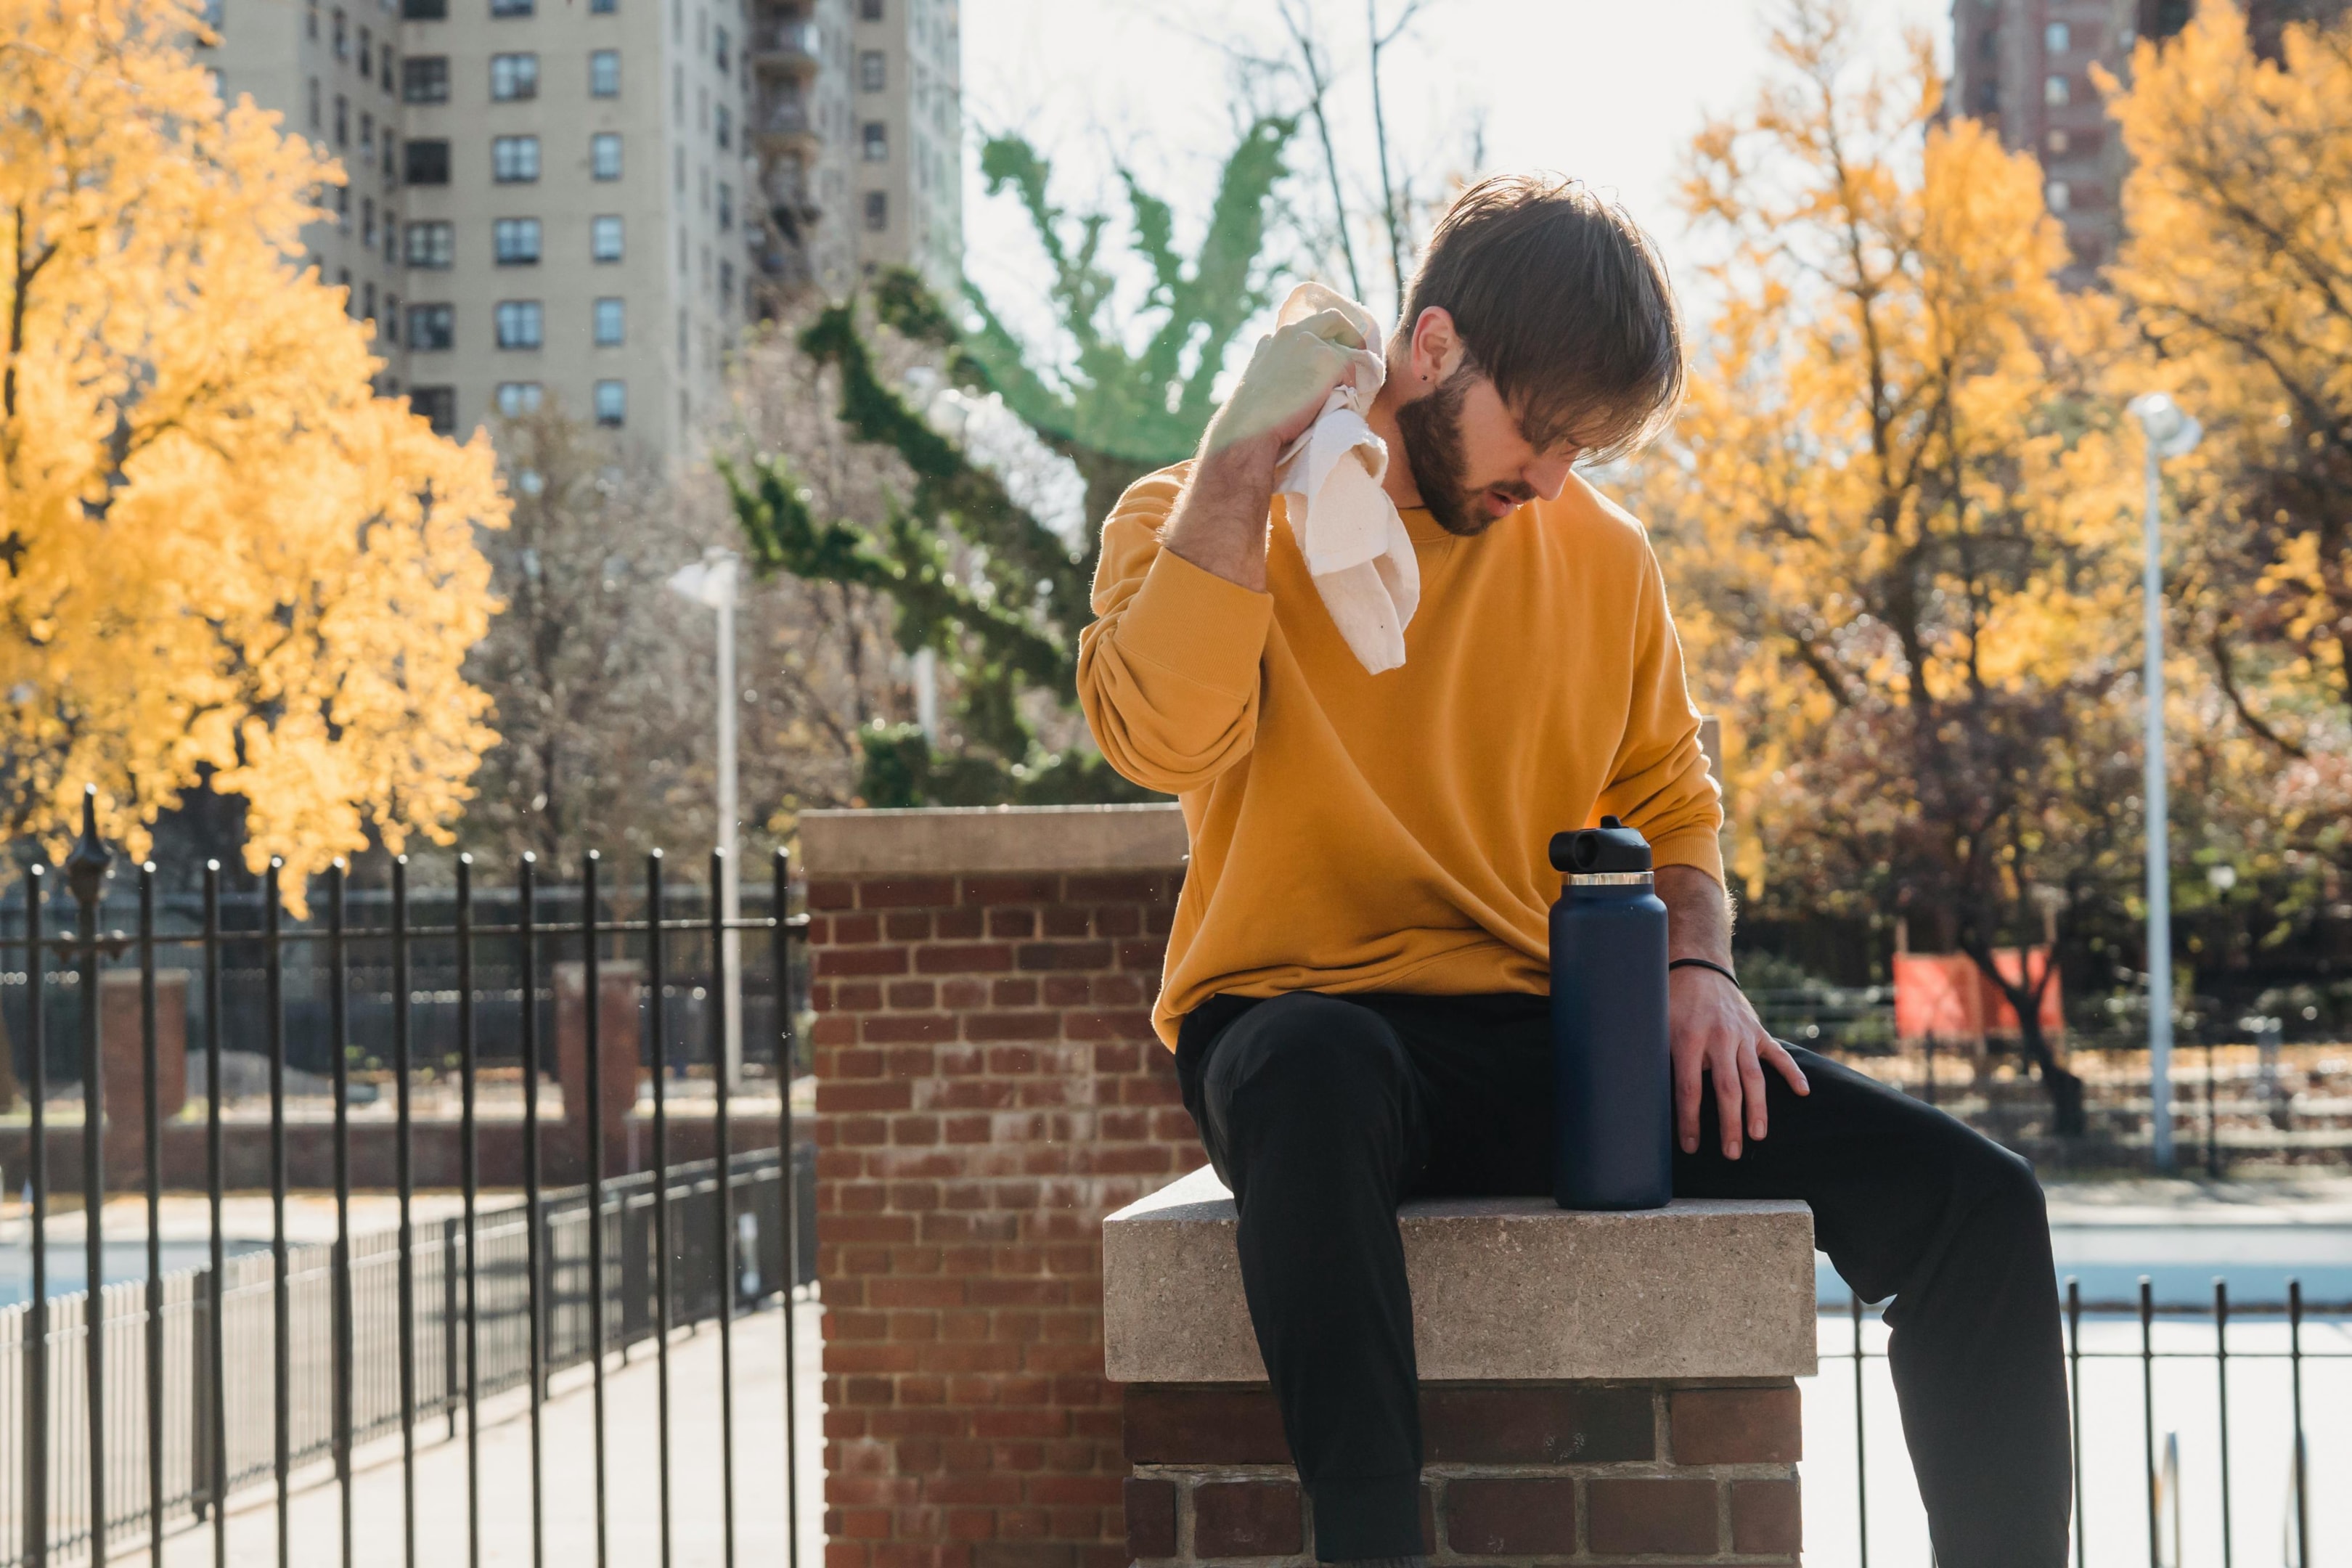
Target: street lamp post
711	581
2171	434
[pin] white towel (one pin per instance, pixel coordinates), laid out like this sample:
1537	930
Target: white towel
1330	478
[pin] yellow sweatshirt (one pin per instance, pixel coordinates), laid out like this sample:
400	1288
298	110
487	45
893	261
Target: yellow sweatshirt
1357	832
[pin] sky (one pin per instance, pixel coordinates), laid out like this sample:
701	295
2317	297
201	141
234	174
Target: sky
1609	90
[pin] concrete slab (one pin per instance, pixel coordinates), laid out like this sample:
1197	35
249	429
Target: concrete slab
1503	1288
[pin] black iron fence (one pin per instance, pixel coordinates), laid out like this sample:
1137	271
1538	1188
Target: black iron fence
193	1384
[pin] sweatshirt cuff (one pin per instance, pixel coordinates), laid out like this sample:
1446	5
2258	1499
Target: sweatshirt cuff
1699	848
1198	624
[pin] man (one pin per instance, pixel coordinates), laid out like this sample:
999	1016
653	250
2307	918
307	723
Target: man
1356	978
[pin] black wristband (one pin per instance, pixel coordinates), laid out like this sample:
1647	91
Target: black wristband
1704	963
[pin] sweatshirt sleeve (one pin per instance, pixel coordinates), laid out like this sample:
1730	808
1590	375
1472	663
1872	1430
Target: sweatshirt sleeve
1169	671
1661	783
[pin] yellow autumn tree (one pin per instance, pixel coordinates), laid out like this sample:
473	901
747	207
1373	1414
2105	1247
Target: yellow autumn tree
2238	270
1897	513
221	553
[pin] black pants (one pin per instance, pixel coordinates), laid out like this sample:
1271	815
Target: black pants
1321	1113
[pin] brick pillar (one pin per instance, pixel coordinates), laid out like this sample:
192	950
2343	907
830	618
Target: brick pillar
618	1046
1539	1472
121	1042
988	1089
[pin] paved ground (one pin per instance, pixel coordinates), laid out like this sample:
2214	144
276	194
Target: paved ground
631	1514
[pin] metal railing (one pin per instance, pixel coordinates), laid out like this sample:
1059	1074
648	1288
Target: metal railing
2159	1483
225	1364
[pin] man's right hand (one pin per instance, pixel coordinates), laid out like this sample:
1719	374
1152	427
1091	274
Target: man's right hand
1219	523
1289	375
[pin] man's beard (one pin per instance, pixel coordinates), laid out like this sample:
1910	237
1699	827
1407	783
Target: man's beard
1432	429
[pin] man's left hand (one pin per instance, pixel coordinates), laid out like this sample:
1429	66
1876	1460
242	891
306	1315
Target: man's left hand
1717	1034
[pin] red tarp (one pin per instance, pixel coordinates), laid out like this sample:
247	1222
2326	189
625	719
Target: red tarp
1945	994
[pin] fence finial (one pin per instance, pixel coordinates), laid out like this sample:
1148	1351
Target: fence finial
86	867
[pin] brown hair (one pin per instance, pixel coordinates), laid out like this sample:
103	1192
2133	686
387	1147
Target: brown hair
1560	300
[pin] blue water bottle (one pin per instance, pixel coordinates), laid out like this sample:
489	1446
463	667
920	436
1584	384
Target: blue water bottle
1612	1076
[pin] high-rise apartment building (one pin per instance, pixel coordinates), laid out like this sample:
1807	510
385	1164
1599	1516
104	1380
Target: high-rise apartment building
857	114
2024	66
570	202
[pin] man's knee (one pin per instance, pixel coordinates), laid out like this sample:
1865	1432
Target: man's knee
2000	1186
1304	1060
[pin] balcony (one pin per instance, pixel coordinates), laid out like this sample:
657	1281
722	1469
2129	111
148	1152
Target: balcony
786	43
785	121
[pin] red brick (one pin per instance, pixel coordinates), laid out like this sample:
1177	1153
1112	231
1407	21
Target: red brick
1246	1519
1629	1516
834	1030
956	995
964	958
836	960
1767	1516
858	997
908	925
1012	922
1012	993
832	894
1066	922
1037	889
1535	1423
1067	991
832	1098
1518	1516
958	925
857	931
914	994
1167	1425
906	892
1118	1058
1037	955
1011	1026
1143	952
913	1061
1119	920
1735	1425
886	1028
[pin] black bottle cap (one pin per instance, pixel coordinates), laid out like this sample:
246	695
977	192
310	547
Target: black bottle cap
1611	847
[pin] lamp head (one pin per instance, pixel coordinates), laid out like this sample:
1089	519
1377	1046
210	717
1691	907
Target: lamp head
2171	433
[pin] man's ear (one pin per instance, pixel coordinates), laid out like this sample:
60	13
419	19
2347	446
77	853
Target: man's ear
1435	348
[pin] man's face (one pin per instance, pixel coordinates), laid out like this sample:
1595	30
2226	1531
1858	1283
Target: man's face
1470	461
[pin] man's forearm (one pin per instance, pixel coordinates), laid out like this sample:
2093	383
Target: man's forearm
1698	914
1219	523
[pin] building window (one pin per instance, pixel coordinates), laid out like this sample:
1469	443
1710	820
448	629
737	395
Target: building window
1987	98
869	10
342	37
719	49
723	124
604	73
2057	92
726	284
517	398
367	295
390	237
317	117
2058	37
510	7
350	295
2058	144
431	327
870	69
514	160
436	405
612	403
367	224
610	319
367	52
513	77
431	245
876	141
519	323
423	10
604	155
390	317
878	211
310	20
603	7
726	206
605	238
342	120
367	133
427	162
2059	197
424	78
385	76
516	241
343	208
